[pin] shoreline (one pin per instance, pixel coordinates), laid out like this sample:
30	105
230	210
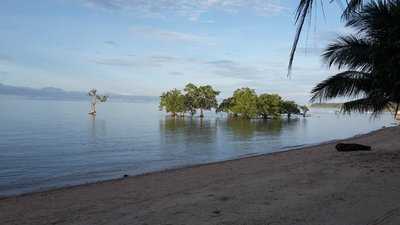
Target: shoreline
307	185
172	169
282	150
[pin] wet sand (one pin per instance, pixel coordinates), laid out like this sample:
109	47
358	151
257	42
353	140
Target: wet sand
309	186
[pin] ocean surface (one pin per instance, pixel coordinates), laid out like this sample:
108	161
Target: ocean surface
48	143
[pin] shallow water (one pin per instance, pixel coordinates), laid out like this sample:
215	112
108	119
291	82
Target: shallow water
45	144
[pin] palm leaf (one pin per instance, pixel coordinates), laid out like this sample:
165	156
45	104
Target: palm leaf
375	104
350	51
345	84
377	19
304	10
352	7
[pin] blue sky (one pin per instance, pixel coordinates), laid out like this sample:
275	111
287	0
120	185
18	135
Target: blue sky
144	47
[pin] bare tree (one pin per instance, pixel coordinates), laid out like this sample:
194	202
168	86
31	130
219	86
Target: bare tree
95	99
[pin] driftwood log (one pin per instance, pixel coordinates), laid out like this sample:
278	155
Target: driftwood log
351	147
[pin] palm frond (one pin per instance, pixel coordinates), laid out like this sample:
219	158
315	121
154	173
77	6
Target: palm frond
303	10
376	19
345	84
375	104
371	56
352	7
349	51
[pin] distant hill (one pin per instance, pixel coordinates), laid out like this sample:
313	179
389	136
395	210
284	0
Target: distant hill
326	105
60	94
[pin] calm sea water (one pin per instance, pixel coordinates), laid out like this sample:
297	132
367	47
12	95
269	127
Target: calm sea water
46	144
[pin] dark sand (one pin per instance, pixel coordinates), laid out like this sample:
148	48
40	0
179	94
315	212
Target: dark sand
309	186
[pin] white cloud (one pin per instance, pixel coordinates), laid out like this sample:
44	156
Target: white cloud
149	62
167	35
226	74
191	9
217	68
233	69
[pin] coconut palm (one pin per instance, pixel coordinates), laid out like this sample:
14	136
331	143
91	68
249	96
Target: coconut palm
371	60
305	9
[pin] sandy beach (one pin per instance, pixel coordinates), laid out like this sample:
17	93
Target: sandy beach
314	185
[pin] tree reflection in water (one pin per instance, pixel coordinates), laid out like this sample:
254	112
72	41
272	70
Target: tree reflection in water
204	130
187	130
97	128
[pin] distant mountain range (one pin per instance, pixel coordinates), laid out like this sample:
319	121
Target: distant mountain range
60	94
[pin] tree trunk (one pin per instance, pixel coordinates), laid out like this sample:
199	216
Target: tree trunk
201	113
93	106
288	115
396	111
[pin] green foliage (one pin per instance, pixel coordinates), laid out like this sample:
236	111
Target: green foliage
289	108
269	105
225	105
191	97
173	102
102	98
304	109
370	58
206	98
244	103
202	97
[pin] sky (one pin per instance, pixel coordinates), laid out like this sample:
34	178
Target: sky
145	47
